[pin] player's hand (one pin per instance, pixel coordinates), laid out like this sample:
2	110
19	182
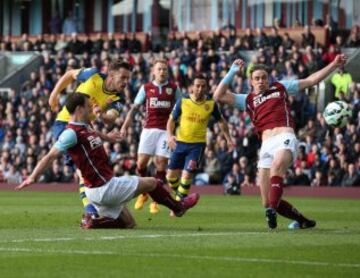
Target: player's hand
122	133
172	142
53	103
25	183
340	60
237	66
114	136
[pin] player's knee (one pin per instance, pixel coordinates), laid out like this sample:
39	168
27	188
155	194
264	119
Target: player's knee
147	184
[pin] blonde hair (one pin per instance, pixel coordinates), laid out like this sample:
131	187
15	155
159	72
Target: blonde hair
161	61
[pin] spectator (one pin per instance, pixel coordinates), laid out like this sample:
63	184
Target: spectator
351	177
308	38
300	178
341	81
70	24
213	168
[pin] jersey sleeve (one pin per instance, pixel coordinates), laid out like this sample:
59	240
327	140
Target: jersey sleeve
291	86
216	113
240	101
140	97
177	110
85	73
66	140
116	105
178	94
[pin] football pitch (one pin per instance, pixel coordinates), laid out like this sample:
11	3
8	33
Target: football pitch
224	236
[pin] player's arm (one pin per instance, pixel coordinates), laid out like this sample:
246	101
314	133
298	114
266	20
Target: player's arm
221	93
112	136
128	119
66	140
171	124
68	78
108	117
139	100
320	75
170	130
43	164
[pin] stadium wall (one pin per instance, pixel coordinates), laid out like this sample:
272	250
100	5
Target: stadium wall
293	191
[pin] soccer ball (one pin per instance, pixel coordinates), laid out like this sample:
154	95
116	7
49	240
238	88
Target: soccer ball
337	113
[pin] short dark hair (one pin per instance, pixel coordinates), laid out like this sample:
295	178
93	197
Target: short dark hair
74	100
258	67
200	76
118	64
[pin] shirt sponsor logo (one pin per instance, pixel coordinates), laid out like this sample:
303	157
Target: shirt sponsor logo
94	141
156	103
261	99
195	118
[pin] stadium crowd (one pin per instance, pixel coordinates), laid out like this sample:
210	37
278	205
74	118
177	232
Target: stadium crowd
326	156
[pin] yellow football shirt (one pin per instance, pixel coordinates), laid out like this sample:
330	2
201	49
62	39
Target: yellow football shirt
193	118
92	84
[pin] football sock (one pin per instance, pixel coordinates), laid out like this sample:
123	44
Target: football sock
163	197
161	175
183	189
287	210
141	172
173	183
276	190
88	207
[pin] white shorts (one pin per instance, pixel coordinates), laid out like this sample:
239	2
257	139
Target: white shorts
110	199
272	145
153	141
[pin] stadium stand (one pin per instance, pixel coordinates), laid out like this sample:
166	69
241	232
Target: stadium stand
327	157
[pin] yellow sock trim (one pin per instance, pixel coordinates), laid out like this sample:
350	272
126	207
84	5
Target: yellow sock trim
173	182
186	182
183	190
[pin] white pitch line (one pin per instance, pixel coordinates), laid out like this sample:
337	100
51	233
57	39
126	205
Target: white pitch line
187	257
120	237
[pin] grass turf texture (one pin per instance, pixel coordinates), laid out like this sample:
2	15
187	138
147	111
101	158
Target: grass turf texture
221	237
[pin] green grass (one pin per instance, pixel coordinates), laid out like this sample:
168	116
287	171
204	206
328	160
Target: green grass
221	237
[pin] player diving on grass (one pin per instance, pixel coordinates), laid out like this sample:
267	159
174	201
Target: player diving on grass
105	91
109	194
191	114
269	109
159	97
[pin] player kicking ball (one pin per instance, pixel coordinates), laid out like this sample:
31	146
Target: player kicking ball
109	194
269	110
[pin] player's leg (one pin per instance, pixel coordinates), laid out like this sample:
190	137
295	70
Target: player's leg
161	164
173	178
282	161
142	162
185	184
264	183
124	221
88	207
194	156
158	193
146	149
176	164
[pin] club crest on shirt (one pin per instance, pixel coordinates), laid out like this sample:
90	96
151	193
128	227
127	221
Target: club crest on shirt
206	107
169	91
